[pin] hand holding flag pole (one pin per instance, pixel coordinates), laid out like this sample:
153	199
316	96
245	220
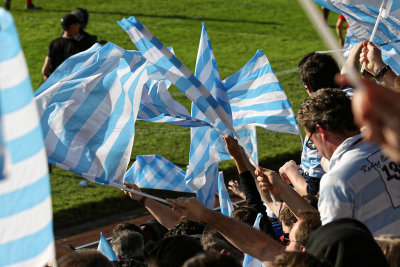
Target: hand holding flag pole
122	187
383	13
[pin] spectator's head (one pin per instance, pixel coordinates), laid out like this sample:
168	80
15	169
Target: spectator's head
211	260
318	71
390	246
346	242
245	214
287	218
308	222
82	15
299	259
125	226
327	118
70	24
84	258
312	200
186	227
171	251
152	230
218	245
128	245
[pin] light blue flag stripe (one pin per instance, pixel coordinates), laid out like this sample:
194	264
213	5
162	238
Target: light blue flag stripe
248	260
225	202
105	248
175	71
89	115
362	17
26	239
156	172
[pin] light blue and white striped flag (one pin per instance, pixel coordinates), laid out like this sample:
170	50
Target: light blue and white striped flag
206	142
225	202
248	260
88	116
105	248
170	66
257	98
156	172
361	15
26	223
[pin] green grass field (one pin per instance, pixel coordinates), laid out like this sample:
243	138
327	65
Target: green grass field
236	30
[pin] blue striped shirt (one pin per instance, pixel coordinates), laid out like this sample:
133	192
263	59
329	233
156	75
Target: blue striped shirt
362	183
311	163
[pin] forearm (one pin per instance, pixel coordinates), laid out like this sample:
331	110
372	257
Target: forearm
298	182
163	214
244	237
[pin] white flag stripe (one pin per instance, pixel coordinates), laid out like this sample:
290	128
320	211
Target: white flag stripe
284	113
8	68
13	230
21	126
33	166
265	98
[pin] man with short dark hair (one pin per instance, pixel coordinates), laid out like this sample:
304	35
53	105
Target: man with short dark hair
63	47
361	182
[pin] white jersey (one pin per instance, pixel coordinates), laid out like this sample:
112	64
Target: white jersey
362	183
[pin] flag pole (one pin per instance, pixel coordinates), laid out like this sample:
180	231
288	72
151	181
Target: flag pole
122	187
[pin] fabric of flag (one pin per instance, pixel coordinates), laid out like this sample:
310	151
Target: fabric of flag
349	42
88	116
26	223
105	248
170	66
225	202
156	172
157	105
257	98
248	260
362	16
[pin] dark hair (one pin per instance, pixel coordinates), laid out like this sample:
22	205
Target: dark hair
309	221
245	214
318	71
211	260
152	230
126	226
216	244
84	258
82	15
299	259
312	200
128	244
287	217
172	251
67	21
331	108
186	228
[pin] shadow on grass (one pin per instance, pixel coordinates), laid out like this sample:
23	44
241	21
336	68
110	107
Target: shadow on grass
126	15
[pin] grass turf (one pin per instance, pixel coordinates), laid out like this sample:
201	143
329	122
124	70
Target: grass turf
236	30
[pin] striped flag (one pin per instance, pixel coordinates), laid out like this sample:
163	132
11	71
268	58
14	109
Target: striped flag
88	116
257	98
248	260
362	15
206	142
26	223
156	172
105	248
169	65
225	202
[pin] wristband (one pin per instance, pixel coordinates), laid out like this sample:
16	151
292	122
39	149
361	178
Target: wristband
382	72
